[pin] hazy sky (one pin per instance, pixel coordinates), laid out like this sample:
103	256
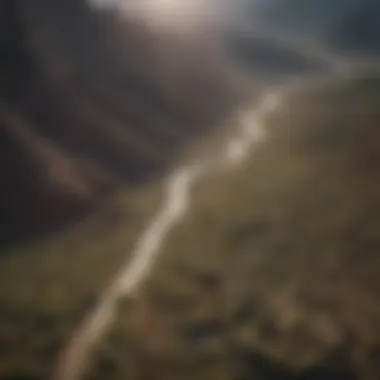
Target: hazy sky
179	15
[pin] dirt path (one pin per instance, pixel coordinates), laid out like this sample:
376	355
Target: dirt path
74	359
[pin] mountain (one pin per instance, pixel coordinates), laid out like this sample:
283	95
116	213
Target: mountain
89	100
303	18
271	272
271	59
358	31
274	272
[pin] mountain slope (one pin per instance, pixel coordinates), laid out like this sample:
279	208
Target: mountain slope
274	273
100	93
358	31
339	24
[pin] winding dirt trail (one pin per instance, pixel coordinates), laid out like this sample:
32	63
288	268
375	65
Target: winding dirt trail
74	359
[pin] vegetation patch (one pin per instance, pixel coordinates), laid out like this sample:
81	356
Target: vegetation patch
274	272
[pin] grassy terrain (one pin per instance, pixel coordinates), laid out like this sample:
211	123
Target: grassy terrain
47	287
274	274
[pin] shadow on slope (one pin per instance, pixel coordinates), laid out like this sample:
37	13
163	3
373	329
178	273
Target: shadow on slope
358	31
88	101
